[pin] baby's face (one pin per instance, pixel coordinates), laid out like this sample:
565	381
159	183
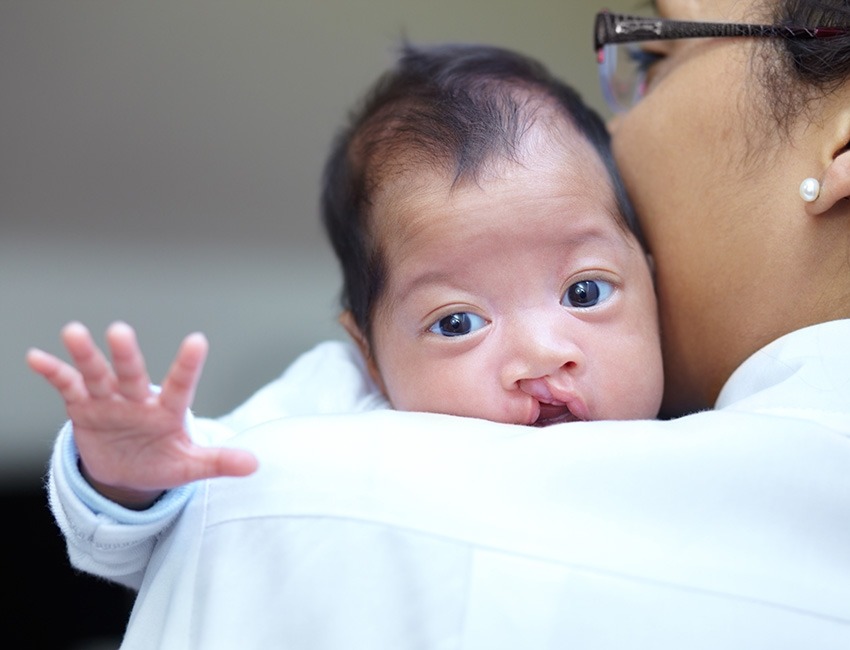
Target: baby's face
519	299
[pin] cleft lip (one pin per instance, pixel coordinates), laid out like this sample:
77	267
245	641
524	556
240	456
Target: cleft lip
553	401
557	412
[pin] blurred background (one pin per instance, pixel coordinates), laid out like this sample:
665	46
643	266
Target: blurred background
160	163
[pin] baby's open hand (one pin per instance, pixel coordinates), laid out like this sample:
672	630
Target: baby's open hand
132	440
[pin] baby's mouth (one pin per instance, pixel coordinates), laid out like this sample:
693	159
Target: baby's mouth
554	414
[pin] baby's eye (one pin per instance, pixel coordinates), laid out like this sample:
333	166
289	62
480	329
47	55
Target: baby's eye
458	324
587	293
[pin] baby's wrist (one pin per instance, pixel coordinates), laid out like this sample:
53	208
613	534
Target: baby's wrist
125	497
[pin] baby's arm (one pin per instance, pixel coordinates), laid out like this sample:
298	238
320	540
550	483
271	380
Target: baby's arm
132	440
116	543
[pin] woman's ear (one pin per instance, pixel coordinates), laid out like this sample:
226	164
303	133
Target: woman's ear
346	319
835	185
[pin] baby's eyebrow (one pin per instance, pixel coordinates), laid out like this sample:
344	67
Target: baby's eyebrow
427	278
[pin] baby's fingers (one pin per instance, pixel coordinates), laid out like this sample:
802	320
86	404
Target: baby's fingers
63	377
178	387
93	366
131	373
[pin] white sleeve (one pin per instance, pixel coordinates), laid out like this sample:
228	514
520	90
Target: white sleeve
116	543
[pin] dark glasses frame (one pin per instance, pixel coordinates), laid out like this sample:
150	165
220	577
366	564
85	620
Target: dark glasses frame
612	29
623	28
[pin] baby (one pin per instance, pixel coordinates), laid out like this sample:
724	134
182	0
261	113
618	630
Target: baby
484	236
490	264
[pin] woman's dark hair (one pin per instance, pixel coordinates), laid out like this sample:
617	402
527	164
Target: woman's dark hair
451	107
808	68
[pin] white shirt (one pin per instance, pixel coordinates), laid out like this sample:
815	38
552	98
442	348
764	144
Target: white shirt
723	529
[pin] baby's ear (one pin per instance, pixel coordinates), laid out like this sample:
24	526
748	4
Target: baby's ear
346	319
835	185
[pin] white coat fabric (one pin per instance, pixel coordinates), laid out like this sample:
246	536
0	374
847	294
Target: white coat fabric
727	529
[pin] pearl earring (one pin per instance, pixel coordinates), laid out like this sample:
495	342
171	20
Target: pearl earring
809	189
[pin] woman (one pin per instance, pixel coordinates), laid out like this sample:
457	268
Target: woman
740	259
724	528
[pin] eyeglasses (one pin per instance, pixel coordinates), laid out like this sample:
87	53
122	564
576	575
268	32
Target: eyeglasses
623	64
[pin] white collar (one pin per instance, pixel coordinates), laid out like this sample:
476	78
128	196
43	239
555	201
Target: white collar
808	368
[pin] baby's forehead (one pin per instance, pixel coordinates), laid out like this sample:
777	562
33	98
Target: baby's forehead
562	169
545	146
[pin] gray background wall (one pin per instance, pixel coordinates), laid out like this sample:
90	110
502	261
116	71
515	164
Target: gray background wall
160	163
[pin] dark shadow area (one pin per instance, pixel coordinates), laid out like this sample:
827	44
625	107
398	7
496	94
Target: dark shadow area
50	605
